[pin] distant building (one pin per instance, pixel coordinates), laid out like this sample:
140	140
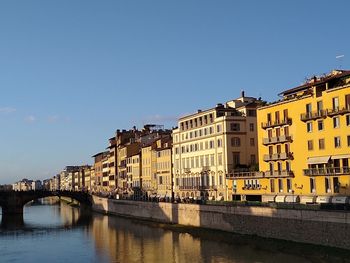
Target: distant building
37	185
23	185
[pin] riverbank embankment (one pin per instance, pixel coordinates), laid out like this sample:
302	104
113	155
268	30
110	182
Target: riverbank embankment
327	228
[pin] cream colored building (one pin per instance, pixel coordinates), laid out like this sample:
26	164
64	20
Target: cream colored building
210	144
149	169
134	171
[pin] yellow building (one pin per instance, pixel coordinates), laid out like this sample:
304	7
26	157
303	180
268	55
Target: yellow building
149	169
134	174
304	143
164	169
210	144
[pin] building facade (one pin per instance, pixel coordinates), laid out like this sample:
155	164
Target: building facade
304	143
210	144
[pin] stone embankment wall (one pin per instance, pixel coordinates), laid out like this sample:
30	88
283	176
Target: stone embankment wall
315	227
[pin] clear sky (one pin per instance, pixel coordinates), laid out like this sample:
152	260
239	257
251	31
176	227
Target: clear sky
72	72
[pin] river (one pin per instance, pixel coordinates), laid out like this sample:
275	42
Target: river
56	232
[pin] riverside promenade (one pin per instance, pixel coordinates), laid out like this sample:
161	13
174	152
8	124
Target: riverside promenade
327	228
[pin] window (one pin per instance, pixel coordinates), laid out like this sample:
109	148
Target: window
269	133
309	127
308	108
280	185
278	132
348	138
312	185
320	125
236	160
277	117
251	113
347	120
272	185
285	114
347	101
235	127
211	130
251	127
268	118
319	106
336	123
335	103
252	142
321	144
211	144
288	166
310	145
218	128
289	185
219	158
236	142
252	159
337	142
286	131
327	185
212	160
219	143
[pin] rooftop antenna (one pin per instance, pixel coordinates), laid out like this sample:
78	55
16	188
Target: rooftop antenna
340	58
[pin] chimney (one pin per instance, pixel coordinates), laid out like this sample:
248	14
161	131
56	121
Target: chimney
242	93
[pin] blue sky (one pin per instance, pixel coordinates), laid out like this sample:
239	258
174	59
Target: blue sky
72	72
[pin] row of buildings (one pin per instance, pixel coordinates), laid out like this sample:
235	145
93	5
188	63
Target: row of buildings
244	149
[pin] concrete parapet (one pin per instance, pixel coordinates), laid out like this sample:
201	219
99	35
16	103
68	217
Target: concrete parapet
306	226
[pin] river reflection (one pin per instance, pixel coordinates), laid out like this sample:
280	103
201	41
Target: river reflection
56	232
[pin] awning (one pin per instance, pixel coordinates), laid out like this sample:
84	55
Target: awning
340	156
318	160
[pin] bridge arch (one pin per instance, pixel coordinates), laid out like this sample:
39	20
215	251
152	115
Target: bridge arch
12	202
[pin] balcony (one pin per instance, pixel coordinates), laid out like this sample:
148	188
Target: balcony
260	175
205	168
329	171
187	170
287	121
193	187
277	156
245	175
251	187
313	115
279	139
338	111
278	174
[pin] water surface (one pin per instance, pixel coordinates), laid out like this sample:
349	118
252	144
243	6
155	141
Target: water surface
56	232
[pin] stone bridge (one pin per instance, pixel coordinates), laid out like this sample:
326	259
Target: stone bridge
12	202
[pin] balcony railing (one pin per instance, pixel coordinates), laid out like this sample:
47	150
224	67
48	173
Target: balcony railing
259	175
286	121
338	111
245	175
194	187
329	171
277	156
324	113
278	174
279	139
187	170
313	115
